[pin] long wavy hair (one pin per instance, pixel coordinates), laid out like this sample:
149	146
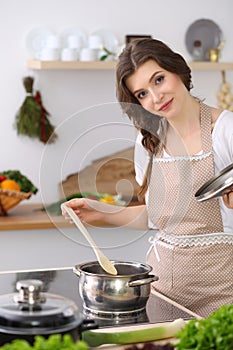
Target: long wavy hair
133	56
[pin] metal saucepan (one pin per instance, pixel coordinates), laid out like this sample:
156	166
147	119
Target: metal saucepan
127	291
29	312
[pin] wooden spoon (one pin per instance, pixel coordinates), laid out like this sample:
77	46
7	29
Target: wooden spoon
104	262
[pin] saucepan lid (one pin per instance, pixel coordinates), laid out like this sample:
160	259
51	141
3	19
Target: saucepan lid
216	185
30	312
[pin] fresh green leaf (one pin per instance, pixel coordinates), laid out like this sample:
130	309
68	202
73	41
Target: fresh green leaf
53	342
214	332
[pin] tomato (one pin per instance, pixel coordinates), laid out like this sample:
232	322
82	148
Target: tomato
2	178
92	197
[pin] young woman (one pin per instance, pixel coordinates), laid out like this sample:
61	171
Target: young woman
181	144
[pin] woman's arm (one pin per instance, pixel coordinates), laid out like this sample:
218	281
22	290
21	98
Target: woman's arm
89	210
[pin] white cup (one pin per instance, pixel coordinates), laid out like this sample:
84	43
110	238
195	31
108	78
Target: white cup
95	42
88	54
74	42
49	54
53	42
69	54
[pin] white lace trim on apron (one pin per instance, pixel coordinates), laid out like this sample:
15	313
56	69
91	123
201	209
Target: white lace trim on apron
177	158
170	240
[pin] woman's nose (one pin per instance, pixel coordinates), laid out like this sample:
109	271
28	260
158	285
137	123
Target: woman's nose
155	96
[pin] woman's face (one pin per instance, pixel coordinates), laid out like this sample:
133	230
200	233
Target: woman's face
157	90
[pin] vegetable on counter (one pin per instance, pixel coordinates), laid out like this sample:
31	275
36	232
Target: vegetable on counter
96	338
214	332
25	185
53	342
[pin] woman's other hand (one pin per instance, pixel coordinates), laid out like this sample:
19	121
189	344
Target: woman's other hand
228	198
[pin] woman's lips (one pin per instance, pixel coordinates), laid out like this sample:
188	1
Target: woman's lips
165	106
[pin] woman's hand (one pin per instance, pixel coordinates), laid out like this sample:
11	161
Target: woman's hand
88	210
228	198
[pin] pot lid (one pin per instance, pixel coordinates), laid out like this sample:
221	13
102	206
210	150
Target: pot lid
216	185
32	312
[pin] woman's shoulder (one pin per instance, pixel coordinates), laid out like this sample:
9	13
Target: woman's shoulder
222	118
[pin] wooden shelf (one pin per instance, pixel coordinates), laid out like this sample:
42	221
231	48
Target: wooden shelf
49	65
217	66
110	65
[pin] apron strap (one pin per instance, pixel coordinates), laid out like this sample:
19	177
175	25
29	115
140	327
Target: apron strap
206	137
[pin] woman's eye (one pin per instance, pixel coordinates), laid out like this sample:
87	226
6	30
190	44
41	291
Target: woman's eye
141	94
158	80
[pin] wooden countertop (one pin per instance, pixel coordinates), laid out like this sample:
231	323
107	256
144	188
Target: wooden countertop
29	216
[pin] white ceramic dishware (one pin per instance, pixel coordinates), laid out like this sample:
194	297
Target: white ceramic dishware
36	40
88	54
95	42
69	54
49	54
74	42
53	42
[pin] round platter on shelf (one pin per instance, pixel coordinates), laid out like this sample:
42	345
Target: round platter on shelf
207	32
36	40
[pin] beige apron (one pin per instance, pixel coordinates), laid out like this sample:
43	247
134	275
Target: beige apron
191	255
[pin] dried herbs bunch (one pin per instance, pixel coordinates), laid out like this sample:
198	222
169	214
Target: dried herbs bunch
32	118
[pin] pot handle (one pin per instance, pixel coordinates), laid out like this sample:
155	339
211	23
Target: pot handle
149	279
76	271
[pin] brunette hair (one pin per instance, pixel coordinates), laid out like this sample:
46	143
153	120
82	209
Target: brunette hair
133	56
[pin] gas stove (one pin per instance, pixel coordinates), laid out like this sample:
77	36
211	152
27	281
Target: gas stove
64	282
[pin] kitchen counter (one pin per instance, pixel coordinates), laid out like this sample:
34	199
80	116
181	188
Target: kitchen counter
29	217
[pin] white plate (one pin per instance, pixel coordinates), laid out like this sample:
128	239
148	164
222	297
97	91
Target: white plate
36	40
109	39
216	185
73	32
205	30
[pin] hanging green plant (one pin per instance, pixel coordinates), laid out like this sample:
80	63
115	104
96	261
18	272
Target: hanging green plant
32	118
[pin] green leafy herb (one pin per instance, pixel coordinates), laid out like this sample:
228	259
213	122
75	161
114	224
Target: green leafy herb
214	332
32	118
53	342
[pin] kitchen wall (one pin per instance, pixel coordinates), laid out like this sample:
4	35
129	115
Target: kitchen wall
82	103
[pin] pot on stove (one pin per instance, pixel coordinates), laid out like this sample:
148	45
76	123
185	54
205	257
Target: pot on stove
124	293
30	312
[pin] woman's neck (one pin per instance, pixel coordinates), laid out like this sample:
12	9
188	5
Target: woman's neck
184	132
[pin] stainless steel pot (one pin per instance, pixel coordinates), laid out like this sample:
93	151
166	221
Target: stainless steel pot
128	291
29	312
